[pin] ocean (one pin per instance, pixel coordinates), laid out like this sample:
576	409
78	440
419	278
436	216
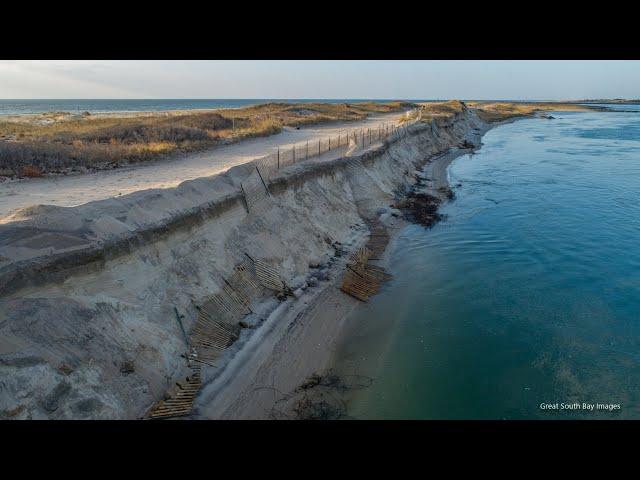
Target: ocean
524	303
15	107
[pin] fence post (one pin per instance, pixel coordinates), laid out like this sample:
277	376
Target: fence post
294	153
318	147
262	179
278	158
244	195
307	149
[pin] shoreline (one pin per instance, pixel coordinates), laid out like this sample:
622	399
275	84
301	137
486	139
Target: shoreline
180	111
437	171
265	383
135	262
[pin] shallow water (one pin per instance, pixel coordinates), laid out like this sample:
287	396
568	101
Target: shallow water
528	292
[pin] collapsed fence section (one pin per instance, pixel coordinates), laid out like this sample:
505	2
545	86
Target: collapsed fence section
180	403
217	327
361	279
255	190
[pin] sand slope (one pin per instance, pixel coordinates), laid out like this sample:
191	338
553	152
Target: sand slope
88	292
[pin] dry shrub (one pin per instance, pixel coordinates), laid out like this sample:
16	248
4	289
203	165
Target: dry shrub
70	141
500	111
451	107
31	171
147	150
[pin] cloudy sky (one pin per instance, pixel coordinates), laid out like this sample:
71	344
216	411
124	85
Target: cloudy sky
320	79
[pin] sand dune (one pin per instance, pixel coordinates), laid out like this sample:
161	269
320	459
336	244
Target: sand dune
68	191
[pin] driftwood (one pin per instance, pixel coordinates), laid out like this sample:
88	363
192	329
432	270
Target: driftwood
319	397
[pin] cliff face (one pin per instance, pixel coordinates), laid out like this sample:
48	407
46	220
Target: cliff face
87	294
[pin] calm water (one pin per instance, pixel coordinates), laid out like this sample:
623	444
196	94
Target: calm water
529	292
13	107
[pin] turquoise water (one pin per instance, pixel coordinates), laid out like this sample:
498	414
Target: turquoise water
528	292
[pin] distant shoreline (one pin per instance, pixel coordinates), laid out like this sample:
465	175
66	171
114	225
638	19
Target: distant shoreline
117	107
132	107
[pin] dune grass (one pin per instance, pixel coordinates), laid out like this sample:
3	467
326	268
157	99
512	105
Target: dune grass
499	111
58	142
491	111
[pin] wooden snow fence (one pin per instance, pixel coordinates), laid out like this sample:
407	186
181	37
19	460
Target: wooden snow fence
361	279
256	194
217	327
180	403
378	240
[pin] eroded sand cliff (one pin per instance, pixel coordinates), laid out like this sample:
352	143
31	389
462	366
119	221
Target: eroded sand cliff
87	321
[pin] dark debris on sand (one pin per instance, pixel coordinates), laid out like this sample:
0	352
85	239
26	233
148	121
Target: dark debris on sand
421	208
320	397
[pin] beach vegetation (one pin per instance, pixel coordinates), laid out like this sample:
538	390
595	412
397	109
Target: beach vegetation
59	142
500	111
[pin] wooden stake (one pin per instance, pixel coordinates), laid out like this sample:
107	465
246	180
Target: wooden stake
265	185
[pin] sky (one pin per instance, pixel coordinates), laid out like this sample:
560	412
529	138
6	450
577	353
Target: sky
379	79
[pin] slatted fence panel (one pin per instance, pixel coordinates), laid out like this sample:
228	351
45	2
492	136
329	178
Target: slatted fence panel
181	403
